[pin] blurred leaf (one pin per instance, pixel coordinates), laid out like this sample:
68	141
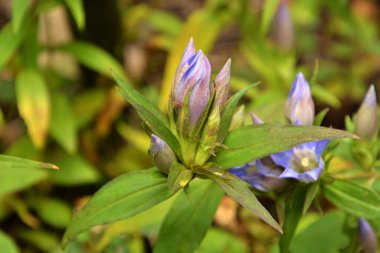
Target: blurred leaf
43	6
217	241
239	191
149	114
204	26
293	214
9	41
54	212
189	218
322	94
77	10
150	218
74	170
7	244
324	235
165	22
62	124
134	136
229	111
19	8
94	58
252	142
17	174
121	198
269	10
319	117
353	198
34	104
43	240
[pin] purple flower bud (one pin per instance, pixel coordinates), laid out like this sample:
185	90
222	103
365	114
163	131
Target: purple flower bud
299	107
366	120
161	154
367	237
282	27
222	85
183	65
255	119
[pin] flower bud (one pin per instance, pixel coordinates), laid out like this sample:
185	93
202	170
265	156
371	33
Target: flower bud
222	85
366	120
255	119
161	154
282	27
299	107
367	237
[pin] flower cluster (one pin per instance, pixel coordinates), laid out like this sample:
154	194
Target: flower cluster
303	162
195	106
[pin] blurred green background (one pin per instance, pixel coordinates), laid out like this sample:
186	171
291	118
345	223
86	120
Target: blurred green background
58	103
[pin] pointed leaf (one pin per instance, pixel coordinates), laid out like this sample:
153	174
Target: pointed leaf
149	113
76	9
353	198
121	198
93	57
229	111
19	8
34	104
312	191
252	142
9	41
238	190
17	174
189	218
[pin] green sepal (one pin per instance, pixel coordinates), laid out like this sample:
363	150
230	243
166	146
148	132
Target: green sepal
178	178
209	138
320	116
311	192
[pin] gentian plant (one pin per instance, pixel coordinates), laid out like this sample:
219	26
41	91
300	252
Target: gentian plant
192	149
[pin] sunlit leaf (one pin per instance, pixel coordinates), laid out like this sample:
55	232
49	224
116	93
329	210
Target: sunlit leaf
218	240
34	104
121	198
353	198
189	218
252	142
269	10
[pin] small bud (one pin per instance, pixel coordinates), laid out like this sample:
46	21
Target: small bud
238	118
299	107
282	27
366	120
367	237
222	85
255	119
209	138
161	154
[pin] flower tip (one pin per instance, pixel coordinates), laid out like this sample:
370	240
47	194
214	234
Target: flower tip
370	97
256	119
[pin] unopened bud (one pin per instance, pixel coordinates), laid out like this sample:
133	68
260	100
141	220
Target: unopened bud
282	27
256	119
366	120
299	107
367	237
222	85
161	154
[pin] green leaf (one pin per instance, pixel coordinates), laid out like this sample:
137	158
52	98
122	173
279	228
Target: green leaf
324	235
123	197
229	111
76	9
312	191
319	117
252	142
9	41
7	244
238	190
149	113
19	8
54	212
217	241
74	170
62	125
94	58
269	10
17	174
34	104
293	214
189	218
353	198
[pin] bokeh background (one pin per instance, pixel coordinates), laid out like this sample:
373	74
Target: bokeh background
59	104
